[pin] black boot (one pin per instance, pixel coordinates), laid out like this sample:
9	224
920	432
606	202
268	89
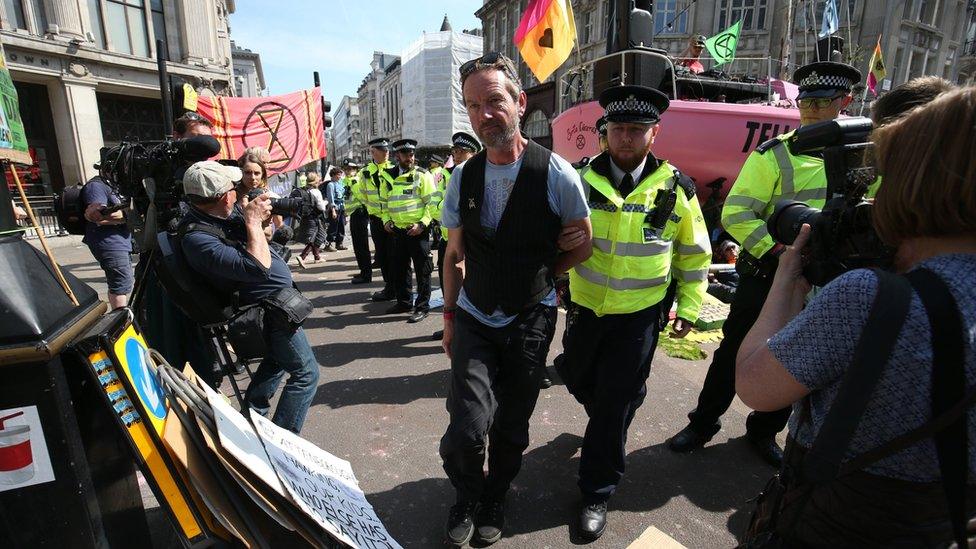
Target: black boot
593	520
460	523
688	439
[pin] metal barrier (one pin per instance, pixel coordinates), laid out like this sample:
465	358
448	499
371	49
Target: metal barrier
43	207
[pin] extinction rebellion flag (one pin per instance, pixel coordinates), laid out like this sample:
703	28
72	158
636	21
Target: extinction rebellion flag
722	45
288	126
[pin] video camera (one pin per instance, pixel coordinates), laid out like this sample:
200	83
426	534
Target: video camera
299	204
842	235
148	173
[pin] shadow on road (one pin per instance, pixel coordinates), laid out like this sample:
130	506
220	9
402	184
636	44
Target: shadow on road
383	390
340	353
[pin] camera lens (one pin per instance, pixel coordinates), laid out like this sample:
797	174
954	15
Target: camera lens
788	216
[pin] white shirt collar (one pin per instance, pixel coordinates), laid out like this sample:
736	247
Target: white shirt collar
618	173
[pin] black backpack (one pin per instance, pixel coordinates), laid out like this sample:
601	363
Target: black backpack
70	210
202	302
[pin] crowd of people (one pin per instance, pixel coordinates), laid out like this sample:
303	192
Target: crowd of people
509	218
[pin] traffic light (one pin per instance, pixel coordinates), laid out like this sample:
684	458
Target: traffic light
326	119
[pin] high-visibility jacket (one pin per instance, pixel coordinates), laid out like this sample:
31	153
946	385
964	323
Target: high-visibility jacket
771	173
408	199
439	197
371	180
357	196
632	265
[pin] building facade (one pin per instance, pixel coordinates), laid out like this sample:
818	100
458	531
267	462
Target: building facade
390	109
87	77
248	73
918	37
346	133
368	95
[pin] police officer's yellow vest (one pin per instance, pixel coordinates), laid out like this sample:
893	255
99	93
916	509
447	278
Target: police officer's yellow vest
632	266
371	182
770	174
439	198
408	199
356	198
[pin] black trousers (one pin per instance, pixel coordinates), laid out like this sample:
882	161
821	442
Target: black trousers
337	228
719	388
441	250
495	375
412	249
359	230
610	358
383	246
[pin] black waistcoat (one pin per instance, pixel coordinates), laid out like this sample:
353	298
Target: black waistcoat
512	269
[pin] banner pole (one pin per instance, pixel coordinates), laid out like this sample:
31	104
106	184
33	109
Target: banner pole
40	235
164	92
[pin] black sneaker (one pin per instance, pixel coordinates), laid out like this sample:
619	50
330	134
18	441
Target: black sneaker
490	519
460	522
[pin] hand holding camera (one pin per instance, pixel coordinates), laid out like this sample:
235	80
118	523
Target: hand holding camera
257	209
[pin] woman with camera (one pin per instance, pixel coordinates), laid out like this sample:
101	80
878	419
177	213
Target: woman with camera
880	446
253	165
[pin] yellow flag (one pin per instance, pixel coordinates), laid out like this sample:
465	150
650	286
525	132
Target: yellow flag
546	35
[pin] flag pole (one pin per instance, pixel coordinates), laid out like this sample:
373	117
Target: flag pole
850	47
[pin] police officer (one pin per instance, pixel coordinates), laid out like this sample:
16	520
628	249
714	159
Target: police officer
648	230
463	147
358	221
409	199
770	174
371	179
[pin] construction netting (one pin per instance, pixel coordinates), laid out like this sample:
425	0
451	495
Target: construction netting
433	108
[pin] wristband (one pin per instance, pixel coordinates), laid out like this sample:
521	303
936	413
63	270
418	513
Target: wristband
448	315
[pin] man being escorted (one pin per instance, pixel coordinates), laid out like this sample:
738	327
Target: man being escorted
335	213
771	173
504	211
463	147
371	178
649	231
226	244
409	199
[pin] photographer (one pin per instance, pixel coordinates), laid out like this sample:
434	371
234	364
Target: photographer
241	261
811	356
109	239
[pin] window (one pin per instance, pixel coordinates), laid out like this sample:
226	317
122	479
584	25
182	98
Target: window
752	13
537	125
127	118
15	14
95	18
588	27
40	16
159	25
127	26
667	20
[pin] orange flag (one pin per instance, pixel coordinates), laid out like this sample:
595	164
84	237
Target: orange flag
545	35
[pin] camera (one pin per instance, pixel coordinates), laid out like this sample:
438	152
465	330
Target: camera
148	174
842	234
298	205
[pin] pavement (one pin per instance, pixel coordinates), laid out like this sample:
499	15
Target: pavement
380	405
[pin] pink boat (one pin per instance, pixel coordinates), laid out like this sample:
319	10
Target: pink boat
708	141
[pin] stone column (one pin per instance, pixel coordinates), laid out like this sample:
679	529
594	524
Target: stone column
67	16
78	127
199	25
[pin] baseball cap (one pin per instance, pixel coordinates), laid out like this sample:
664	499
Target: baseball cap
210	178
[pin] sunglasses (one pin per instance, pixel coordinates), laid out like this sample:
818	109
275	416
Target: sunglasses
819	102
490	60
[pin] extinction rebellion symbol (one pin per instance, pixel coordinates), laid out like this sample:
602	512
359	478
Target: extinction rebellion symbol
276	129
580	141
725	45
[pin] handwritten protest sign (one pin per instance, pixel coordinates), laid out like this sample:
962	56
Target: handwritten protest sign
324	487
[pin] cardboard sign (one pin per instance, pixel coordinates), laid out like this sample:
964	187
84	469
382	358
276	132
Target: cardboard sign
13	139
324	487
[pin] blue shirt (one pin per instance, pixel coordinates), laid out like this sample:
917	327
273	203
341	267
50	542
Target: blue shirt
232	267
566	198
817	348
335	193
107	238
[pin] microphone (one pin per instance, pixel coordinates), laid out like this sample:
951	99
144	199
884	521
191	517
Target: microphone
198	148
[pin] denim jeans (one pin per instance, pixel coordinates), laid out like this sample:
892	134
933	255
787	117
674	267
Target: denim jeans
288	352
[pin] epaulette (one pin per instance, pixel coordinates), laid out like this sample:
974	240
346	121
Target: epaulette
581	164
768	145
686	183
422	170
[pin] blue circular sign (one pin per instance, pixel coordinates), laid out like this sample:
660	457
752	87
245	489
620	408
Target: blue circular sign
137	357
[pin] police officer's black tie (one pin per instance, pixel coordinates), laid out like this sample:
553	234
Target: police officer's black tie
626	185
